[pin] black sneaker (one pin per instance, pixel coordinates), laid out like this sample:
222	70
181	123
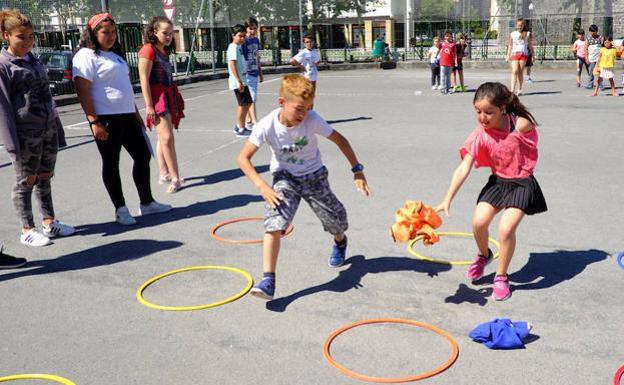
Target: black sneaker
9	262
242	133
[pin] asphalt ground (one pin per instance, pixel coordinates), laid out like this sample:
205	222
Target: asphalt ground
72	310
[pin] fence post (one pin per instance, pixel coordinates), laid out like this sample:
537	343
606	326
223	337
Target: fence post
555	52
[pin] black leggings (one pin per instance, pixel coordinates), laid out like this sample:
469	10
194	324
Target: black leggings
435	74
124	130
580	63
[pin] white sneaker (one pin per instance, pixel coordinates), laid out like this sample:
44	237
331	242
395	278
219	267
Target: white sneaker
123	217
57	229
434	87
34	238
440	87
154	208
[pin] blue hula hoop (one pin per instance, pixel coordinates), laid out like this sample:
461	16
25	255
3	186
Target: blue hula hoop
620	259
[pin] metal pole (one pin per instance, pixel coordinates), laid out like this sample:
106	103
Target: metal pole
104	5
212	35
408	24
516	10
190	59
300	24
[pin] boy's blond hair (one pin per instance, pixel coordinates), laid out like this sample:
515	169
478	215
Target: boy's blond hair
296	86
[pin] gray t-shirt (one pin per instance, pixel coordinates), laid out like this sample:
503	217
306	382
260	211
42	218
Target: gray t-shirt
293	149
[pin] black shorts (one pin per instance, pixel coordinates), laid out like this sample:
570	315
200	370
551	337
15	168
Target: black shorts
529	61
523	193
459	66
243	98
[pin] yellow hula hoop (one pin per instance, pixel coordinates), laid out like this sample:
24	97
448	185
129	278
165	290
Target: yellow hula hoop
139	293
450	234
47	377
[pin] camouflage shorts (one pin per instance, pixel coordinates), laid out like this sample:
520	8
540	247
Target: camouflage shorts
314	189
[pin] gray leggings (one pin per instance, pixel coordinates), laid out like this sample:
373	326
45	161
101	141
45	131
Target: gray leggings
38	149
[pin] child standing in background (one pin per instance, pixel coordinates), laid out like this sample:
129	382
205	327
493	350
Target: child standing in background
606	62
307	59
579	49
251	48
237	80
447	62
29	128
163	103
434	61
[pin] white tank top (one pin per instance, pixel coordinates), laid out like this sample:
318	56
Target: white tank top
518	44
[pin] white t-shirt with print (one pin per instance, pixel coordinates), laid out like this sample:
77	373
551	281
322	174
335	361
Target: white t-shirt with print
433	55
308	59
111	91
293	149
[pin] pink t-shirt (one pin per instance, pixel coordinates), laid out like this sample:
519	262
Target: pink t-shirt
579	47
509	155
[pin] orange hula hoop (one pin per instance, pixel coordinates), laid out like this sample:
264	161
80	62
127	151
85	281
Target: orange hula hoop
389	380
213	231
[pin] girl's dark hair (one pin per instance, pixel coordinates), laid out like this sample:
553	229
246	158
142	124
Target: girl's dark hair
581	31
251	21
88	40
608	38
499	95
149	33
524	24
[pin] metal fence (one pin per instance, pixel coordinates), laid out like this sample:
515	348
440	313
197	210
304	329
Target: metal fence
202	27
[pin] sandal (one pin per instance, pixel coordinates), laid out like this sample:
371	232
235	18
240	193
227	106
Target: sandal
175	186
164	179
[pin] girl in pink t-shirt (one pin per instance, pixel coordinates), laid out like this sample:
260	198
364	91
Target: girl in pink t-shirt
579	49
506	142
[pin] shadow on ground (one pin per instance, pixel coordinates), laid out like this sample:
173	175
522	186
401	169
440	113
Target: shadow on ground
221	176
108	254
542	271
351	277
176	214
349	120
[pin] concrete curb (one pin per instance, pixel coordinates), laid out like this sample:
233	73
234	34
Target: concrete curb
64	100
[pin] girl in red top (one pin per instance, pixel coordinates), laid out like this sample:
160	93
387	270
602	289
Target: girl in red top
506	142
163	103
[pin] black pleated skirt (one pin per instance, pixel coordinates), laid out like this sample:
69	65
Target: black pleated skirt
523	193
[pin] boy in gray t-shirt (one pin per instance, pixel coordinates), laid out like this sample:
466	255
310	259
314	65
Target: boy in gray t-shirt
298	172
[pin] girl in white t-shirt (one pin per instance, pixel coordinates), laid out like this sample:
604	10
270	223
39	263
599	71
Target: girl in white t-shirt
101	77
519	48
434	61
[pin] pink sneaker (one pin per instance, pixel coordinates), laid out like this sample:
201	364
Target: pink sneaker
501	288
475	270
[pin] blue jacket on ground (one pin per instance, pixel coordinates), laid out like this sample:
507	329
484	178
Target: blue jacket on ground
501	334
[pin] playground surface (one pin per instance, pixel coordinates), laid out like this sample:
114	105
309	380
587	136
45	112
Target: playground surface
72	310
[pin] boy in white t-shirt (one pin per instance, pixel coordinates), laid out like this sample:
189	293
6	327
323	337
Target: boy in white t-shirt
298	172
307	59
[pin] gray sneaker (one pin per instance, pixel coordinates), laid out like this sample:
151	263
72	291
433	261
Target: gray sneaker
243	133
123	217
153	208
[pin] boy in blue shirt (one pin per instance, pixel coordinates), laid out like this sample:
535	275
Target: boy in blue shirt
237	80
251	48
298	172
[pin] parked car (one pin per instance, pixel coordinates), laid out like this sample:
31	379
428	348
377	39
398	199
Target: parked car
59	68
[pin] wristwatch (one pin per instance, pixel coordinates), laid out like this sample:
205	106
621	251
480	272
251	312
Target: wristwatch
357	168
92	122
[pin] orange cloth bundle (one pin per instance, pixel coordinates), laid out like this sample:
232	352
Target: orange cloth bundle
413	219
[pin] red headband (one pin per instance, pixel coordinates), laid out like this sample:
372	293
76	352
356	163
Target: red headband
97	19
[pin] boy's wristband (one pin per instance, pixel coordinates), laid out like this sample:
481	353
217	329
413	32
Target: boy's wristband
357	168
